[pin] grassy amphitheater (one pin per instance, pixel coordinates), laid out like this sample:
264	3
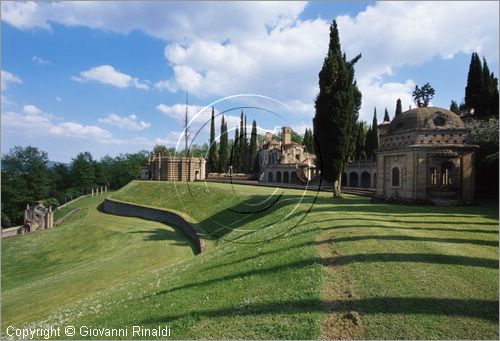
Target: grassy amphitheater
277	264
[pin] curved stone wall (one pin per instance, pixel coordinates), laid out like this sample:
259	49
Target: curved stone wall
155	214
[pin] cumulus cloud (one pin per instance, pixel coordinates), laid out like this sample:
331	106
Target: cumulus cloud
9	78
125	122
32	121
168	21
107	74
269	50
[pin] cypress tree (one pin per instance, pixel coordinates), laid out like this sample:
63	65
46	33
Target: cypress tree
337	106
235	151
246	148
454	107
386	116
212	151
360	140
372	138
254	162
488	103
399	109
223	148
474	83
368	142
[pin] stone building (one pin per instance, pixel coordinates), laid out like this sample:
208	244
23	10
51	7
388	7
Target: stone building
37	217
424	155
285	161
360	173
174	168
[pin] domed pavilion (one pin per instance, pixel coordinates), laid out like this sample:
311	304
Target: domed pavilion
424	155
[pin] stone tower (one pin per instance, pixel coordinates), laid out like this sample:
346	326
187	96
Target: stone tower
286	135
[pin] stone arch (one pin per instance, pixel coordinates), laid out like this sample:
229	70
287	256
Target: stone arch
270	177
286	177
395	177
293	178
343	181
353	179
278	176
365	179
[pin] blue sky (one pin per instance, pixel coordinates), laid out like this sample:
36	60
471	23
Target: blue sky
111	77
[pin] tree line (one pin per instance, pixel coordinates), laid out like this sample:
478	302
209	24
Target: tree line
27	178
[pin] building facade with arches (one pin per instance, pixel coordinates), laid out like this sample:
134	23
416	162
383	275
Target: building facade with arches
360	174
285	161
424	155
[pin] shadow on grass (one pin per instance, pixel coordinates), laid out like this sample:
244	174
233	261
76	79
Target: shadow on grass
481	309
164	234
445	229
160	233
423	239
344	260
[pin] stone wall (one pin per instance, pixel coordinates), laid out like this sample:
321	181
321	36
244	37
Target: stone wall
155	214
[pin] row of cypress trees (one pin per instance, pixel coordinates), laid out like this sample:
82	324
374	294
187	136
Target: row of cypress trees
241	154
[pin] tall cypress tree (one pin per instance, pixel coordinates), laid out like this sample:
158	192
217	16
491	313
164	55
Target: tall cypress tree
399	109
222	157
474	83
236	151
254	162
212	151
337	106
387	118
246	147
372	137
223	148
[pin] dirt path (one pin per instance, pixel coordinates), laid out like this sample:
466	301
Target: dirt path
338	291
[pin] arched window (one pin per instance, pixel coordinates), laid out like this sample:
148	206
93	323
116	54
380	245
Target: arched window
365	180
270	177
353	179
278	176
285	177
395	177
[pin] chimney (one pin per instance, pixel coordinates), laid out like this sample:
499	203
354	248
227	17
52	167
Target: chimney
286	135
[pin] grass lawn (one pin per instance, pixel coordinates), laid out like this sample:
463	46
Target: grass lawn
281	264
91	251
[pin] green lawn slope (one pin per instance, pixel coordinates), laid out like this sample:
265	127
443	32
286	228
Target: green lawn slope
281	264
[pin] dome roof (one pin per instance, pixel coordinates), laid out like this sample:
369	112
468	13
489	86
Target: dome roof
426	118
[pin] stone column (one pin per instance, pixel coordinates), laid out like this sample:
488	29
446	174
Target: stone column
92	192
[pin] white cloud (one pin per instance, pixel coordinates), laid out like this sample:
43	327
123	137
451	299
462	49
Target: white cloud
77	130
107	74
171	140
9	78
393	34
125	122
168	21
59	99
32	121
166	85
268	50
39	60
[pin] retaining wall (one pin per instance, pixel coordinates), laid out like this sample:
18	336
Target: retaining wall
155	214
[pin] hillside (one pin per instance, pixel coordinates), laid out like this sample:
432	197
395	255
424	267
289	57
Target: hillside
280	264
